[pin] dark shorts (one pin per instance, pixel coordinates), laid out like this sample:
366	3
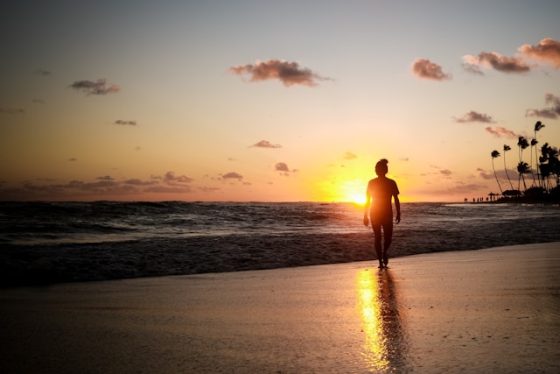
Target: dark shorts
387	225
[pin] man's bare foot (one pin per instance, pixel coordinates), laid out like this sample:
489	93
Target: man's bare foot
385	259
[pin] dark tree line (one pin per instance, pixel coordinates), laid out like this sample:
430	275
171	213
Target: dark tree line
539	182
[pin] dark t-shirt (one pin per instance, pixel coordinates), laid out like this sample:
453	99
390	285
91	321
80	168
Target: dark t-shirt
381	191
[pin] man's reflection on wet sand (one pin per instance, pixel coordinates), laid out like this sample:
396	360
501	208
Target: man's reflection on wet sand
385	345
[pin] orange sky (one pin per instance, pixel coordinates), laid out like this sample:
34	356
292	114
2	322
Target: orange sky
258	101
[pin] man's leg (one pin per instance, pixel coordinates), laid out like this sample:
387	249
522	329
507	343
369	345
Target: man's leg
387	239
377	242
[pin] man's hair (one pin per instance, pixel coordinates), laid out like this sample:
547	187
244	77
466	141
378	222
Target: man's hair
381	167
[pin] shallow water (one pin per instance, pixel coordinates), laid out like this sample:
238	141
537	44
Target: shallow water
54	242
98	222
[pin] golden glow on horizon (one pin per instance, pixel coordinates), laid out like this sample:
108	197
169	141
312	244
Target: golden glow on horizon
346	190
369	306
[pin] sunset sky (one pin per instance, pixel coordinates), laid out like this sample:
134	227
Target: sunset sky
271	100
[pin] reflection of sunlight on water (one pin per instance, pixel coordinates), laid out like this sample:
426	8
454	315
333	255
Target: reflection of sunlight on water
369	304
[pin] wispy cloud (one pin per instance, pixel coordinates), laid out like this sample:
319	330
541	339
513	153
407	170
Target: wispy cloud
266	144
140	182
42	72
283	168
547	50
350	156
471	66
446	172
552	111
501	132
168	189
125	123
208	189
466	188
289	73
496	61
98	87
171	178
38	101
105	185
500	173
426	69
4	110
232	175
473	116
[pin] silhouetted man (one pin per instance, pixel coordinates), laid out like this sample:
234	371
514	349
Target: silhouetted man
379	193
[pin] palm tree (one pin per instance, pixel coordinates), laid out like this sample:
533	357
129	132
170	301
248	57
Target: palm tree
507	148
534	142
495	154
550	164
538	126
523	168
522	143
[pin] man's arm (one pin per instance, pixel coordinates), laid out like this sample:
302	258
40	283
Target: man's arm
398	207
366	207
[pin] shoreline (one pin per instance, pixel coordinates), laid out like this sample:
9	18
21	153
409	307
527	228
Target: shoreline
23	266
471	311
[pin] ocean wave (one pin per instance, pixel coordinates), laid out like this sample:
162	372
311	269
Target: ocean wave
138	239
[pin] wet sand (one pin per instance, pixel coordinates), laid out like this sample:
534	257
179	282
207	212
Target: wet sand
471	311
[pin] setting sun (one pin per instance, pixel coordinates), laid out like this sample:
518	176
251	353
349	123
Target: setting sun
358	198
353	191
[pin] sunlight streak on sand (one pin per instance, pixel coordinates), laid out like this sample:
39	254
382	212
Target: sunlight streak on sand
369	305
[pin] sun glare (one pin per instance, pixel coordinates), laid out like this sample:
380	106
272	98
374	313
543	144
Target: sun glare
353	191
359	199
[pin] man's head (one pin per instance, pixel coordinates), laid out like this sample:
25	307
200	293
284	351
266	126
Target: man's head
381	167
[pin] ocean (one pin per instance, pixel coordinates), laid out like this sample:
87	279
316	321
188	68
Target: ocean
45	242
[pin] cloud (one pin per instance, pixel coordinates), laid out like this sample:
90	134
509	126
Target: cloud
547	50
552	112
168	189
101	186
12	110
426	69
471	67
473	116
496	61
208	189
446	172
282	166
123	122
266	144
38	101
232	175
464	188
72	159
289	73
501	132
350	156
99	87
140	182
172	179
107	178
42	72
500	173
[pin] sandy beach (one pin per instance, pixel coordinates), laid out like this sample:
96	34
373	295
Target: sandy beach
493	310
